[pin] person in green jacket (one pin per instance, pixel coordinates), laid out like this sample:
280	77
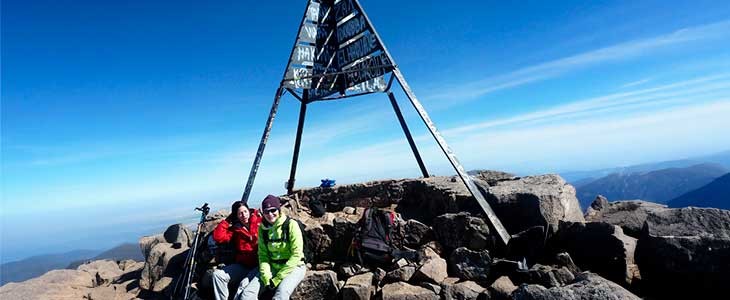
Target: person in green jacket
281	255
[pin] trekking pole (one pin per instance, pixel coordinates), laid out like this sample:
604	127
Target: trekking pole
204	212
189	266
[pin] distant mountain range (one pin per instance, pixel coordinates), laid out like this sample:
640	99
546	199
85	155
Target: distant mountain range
121	252
578	178
715	194
658	186
35	266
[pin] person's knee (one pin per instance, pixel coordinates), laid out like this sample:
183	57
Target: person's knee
219	274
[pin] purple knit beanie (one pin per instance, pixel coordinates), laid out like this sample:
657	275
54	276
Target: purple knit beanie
270	201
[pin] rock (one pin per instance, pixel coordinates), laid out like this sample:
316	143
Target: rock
687	247
401	274
358	287
317	285
163	261
528	244
416	233
211	221
130	265
147	242
534	201
434	270
503	267
55	284
426	198
630	215
502	288
462	230
347	270
470	265
404	291
178	234
601	248
375	193
320	243
109	293
462	290
492	177
379	275
598	204
564	260
104	271
586	286
341	230
435	288
548	276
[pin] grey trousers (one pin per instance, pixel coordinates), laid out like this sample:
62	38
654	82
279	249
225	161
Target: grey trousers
233	273
283	291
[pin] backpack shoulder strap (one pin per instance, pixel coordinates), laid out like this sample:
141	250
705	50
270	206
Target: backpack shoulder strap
285	229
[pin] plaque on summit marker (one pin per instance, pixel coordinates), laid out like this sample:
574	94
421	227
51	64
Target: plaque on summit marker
336	53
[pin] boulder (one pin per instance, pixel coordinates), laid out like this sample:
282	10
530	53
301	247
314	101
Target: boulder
416	233
426	198
404	291
163	263
178	234
462	290
462	230
502	288
147	242
528	244
687	247
433	269
548	276
401	274
55	284
630	214
317	285
598	247
435	288
586	286
543	200
211	221
319	242
359	287
104	271
470	265
563	259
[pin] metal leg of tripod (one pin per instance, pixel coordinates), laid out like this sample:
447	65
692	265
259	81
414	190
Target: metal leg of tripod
189	276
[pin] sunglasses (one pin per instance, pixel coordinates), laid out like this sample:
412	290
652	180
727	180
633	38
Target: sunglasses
271	210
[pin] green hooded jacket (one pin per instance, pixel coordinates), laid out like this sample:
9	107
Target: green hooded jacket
278	258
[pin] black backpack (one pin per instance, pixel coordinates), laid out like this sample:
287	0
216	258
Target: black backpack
285	237
373	239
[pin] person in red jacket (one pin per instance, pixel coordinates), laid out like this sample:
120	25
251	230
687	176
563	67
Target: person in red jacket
240	229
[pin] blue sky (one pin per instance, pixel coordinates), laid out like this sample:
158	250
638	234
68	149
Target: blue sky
119	117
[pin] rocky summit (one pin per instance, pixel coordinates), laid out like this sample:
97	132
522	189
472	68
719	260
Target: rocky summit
617	250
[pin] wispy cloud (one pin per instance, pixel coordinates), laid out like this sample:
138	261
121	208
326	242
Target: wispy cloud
678	91
555	68
635	83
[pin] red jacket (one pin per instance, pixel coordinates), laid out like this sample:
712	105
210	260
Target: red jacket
244	240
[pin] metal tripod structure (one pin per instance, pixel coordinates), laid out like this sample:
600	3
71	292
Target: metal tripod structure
338	54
